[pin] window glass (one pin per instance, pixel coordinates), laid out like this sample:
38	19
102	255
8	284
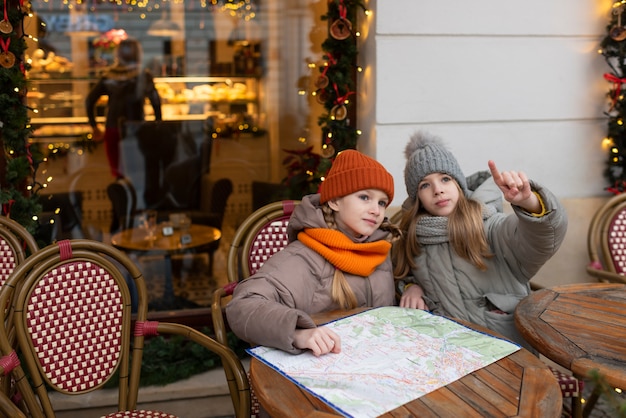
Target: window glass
229	76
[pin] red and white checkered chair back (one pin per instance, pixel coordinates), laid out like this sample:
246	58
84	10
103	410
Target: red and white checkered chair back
270	239
72	310
259	236
75	318
616	237
16	243
8	260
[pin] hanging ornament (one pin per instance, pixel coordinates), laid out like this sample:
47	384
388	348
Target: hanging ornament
341	28
322	81
339	112
321	96
7	58
618	32
328	151
5	25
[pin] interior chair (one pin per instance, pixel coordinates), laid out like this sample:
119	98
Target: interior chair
261	235
123	197
66	210
606	239
87	194
264	193
72	314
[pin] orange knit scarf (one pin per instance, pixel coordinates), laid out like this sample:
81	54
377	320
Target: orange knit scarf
339	250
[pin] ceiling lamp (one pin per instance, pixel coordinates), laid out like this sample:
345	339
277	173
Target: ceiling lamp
164	27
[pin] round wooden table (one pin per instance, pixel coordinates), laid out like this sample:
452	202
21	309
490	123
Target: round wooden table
518	385
580	327
195	239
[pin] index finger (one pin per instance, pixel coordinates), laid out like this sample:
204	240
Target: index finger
494	171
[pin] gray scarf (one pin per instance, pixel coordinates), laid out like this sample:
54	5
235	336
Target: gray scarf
434	229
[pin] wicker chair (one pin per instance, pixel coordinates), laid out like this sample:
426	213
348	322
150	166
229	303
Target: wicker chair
16	243
72	305
606	240
261	234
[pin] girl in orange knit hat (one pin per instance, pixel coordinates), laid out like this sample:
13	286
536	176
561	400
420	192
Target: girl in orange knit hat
337	258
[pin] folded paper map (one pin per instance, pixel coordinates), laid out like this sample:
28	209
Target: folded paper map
389	356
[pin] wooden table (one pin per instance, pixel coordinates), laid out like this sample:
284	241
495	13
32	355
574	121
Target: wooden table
580	327
517	385
193	240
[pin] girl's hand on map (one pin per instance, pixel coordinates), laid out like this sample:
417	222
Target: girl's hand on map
413	297
320	340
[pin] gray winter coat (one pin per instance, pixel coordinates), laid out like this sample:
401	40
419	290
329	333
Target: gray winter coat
296	282
521	245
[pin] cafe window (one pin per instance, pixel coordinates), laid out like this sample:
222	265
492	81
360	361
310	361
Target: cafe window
229	76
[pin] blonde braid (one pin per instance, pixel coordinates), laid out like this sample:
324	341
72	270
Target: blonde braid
341	293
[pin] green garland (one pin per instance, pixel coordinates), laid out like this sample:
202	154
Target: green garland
337	80
19	190
335	89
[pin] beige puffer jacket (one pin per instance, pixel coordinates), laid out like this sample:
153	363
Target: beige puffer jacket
296	282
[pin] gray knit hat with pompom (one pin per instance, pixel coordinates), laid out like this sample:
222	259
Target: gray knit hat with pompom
426	154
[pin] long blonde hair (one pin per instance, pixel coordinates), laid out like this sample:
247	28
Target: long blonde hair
466	234
341	293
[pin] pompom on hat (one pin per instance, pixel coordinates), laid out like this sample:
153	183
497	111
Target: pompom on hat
426	154
353	171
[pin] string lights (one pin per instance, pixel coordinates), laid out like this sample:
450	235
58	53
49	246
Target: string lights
334	87
613	49
245	9
18	168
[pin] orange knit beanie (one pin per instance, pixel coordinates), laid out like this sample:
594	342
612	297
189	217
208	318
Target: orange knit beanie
353	171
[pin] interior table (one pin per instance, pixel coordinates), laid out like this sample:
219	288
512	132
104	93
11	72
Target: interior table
518	385
580	327
195	239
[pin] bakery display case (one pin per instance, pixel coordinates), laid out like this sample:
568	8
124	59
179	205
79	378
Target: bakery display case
219	117
229	105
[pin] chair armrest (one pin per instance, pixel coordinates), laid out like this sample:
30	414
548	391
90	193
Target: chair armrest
233	368
604	276
217	312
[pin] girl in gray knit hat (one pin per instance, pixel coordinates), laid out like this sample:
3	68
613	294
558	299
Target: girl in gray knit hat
460	255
